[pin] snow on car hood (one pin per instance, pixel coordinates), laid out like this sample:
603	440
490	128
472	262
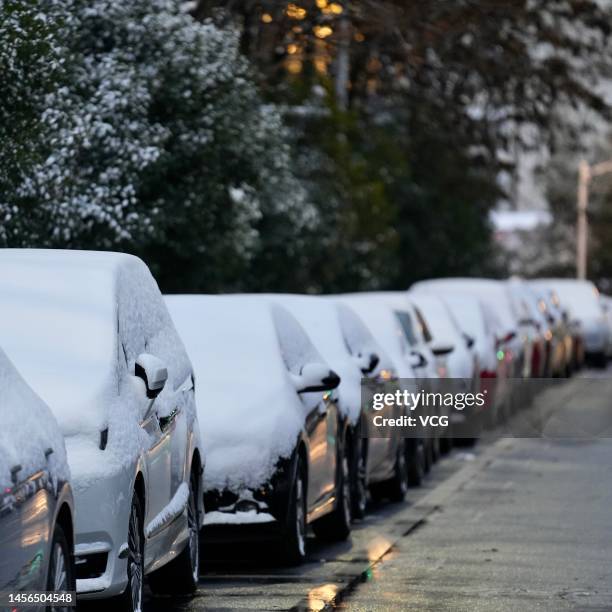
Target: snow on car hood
249	412
28	430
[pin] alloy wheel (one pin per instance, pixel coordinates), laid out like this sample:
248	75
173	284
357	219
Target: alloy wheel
300	514
194	537
346	490
135	561
58	568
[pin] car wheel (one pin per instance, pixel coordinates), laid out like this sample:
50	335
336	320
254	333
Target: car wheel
132	596
60	574
181	575
397	487
359	488
416	462
294	536
446	444
336	525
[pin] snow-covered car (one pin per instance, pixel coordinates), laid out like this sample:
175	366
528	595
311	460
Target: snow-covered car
494	295
36	506
348	346
456	349
533	326
275	440
581	298
422	360
403	461
480	322
92	336
606	303
559	339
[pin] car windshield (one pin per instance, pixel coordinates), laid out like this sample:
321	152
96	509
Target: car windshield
407	327
58	325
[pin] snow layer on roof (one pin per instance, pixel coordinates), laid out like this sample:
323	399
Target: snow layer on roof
321	321
493	292
28	430
249	412
378	315
580	297
57	317
75	322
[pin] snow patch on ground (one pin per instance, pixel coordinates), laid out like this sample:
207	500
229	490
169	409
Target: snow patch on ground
238	518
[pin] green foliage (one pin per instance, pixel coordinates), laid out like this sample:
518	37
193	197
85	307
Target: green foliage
31	66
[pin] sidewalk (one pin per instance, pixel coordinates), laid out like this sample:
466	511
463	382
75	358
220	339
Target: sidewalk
532	531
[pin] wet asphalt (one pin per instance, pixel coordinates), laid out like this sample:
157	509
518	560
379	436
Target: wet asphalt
513	524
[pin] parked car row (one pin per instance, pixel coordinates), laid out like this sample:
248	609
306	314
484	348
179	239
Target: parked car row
148	426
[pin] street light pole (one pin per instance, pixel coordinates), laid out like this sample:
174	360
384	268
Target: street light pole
585	174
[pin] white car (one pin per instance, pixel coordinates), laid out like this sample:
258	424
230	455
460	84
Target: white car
423	361
606	303
496	297
91	334
582	300
276	458
36	505
456	350
348	346
406	461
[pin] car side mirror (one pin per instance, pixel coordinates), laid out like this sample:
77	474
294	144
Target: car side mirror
153	373
565	317
373	361
315	377
439	349
507	338
419	360
469	341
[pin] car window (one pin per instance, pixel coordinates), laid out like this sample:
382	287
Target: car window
145	326
296	348
405	321
425	332
357	336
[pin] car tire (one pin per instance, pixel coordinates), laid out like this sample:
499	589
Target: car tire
446	445
131	600
416	461
359	487
293	543
181	575
397	486
60	572
336	526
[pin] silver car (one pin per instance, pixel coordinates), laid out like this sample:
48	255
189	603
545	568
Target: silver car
36	508
91	334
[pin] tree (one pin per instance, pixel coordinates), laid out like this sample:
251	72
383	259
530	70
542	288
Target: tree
160	145
31	68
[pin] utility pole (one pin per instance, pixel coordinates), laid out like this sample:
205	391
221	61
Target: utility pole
585	175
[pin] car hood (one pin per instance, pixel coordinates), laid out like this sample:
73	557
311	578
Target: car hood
246	429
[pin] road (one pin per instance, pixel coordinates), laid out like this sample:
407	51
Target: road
515	524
